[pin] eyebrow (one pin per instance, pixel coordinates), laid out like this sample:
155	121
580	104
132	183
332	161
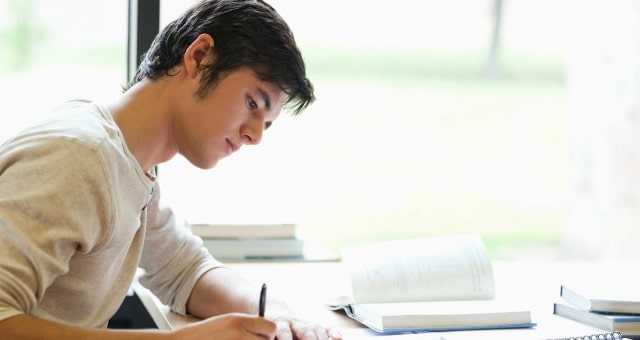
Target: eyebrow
266	98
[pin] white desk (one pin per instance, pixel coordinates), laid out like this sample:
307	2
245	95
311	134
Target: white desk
307	286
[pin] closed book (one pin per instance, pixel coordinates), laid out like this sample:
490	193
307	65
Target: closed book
426	284
254	248
239	230
602	296
627	324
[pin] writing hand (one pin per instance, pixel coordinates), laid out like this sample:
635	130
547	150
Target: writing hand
293	328
227	327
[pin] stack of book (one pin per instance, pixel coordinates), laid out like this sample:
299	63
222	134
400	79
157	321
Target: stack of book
250	241
605	305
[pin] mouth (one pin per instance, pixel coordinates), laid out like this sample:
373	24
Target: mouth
231	146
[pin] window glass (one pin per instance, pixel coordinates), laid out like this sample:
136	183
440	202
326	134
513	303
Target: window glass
513	119
414	132
53	51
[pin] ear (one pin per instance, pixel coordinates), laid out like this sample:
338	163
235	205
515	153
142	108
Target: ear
199	52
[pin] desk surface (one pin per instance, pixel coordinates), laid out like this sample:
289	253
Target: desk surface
306	287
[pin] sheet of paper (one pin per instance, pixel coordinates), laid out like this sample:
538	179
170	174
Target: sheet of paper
367	334
510	334
503	334
454	267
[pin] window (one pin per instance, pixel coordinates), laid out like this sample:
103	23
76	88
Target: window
409	136
56	51
417	130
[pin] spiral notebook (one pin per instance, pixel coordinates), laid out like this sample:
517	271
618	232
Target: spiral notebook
599	336
368	334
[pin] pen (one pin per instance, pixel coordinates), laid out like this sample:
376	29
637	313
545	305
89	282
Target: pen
263	300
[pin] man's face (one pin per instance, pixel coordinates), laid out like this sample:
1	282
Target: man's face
236	112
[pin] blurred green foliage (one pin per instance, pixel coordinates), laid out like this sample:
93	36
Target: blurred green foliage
21	35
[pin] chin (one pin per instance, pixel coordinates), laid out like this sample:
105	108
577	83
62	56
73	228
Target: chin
208	166
202	160
204	164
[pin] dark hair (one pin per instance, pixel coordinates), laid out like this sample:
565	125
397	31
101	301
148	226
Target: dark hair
245	33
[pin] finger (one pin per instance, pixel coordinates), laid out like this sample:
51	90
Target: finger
302	331
256	337
261	327
321	333
283	330
334	334
310	332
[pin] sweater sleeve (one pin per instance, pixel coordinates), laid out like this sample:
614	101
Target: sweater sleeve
173	258
45	216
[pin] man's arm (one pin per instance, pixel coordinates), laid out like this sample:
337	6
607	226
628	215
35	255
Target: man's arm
221	290
27	327
226	327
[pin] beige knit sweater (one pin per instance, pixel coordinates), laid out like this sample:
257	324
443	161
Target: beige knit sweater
78	216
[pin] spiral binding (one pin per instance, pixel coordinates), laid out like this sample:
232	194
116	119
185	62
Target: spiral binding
601	336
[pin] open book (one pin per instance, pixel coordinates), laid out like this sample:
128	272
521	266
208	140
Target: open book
428	284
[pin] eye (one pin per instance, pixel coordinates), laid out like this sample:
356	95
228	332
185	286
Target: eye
251	104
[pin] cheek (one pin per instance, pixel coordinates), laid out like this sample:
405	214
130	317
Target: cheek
222	111
223	108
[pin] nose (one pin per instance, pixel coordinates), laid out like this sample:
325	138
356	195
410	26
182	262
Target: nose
252	131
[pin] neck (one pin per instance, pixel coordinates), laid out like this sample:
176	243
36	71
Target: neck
143	116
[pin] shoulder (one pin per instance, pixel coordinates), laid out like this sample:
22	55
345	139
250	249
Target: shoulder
78	138
82	121
78	127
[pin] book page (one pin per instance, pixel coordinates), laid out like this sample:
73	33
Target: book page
427	269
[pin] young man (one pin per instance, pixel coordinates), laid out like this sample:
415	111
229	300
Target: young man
79	201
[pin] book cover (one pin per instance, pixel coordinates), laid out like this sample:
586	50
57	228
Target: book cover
603	296
426	284
627	324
